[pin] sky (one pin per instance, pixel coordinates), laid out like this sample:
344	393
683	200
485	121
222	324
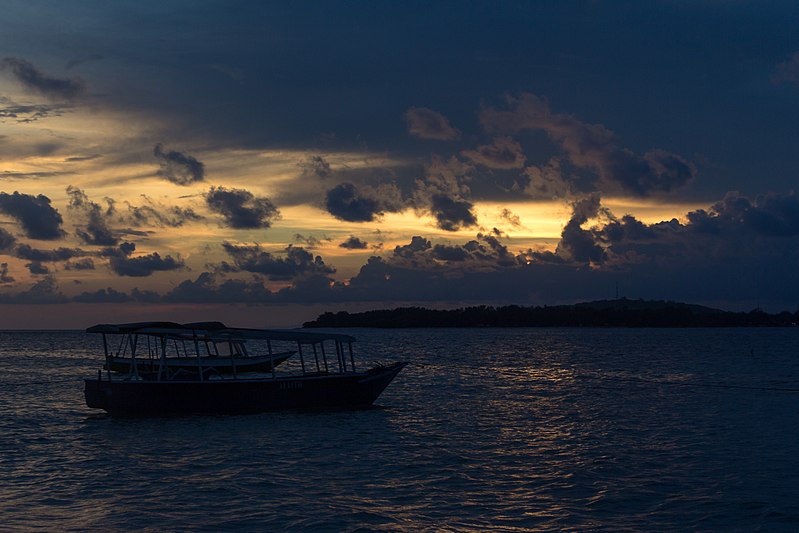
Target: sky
262	162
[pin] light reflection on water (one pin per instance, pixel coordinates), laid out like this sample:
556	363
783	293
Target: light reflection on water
501	429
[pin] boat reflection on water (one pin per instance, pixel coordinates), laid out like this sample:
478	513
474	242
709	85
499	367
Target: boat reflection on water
164	367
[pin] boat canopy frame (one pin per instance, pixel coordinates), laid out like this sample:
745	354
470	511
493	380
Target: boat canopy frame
217	332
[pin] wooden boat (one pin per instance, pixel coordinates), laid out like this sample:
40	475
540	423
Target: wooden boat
150	386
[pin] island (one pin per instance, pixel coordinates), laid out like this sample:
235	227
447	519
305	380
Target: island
620	312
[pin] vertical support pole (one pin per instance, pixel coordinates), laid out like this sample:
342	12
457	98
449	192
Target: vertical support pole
324	355
133	339
162	368
316	357
352	359
302	359
271	356
108	358
197	352
340	356
232	358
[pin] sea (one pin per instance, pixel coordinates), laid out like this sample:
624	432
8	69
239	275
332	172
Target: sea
487	429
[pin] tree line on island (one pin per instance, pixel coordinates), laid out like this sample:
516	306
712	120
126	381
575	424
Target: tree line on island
604	313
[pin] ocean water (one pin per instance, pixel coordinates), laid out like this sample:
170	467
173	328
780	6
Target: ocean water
486	429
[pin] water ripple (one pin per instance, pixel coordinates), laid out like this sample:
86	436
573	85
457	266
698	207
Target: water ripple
501	430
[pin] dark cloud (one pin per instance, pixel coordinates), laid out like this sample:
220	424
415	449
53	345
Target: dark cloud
310	241
38	218
443	193
316	166
548	181
34	80
452	214
508	216
108	295
78	158
503	153
364	203
593	146
207	288
25	251
294	262
151	213
27	113
96	230
37	269
4	276
81	264
417	244
241	209
578	245
123	264
354	243
7	240
787	71
43	291
428	124
177	167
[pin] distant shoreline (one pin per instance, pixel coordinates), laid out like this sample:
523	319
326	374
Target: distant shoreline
604	313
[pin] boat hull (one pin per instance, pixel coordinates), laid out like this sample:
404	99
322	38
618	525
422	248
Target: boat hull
222	365
228	396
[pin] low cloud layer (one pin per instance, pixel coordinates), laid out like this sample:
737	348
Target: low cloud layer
294	262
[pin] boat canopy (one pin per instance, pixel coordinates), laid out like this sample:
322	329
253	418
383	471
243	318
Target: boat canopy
216	331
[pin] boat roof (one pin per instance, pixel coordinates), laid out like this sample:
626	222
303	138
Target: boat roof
216	331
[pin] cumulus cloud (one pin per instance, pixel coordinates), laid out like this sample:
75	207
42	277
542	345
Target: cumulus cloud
444	192
363	203
25	251
547	181
95	230
123	264
593	146
787	71
7	240
177	167
81	264
37	269
35	81
428	124
503	153
354	243
38	218
241	209
452	214
5	278
294	262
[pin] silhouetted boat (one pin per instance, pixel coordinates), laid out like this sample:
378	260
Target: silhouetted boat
156	388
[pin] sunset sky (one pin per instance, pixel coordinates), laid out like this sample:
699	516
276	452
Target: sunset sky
261	162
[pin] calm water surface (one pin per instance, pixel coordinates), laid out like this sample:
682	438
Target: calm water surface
500	429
